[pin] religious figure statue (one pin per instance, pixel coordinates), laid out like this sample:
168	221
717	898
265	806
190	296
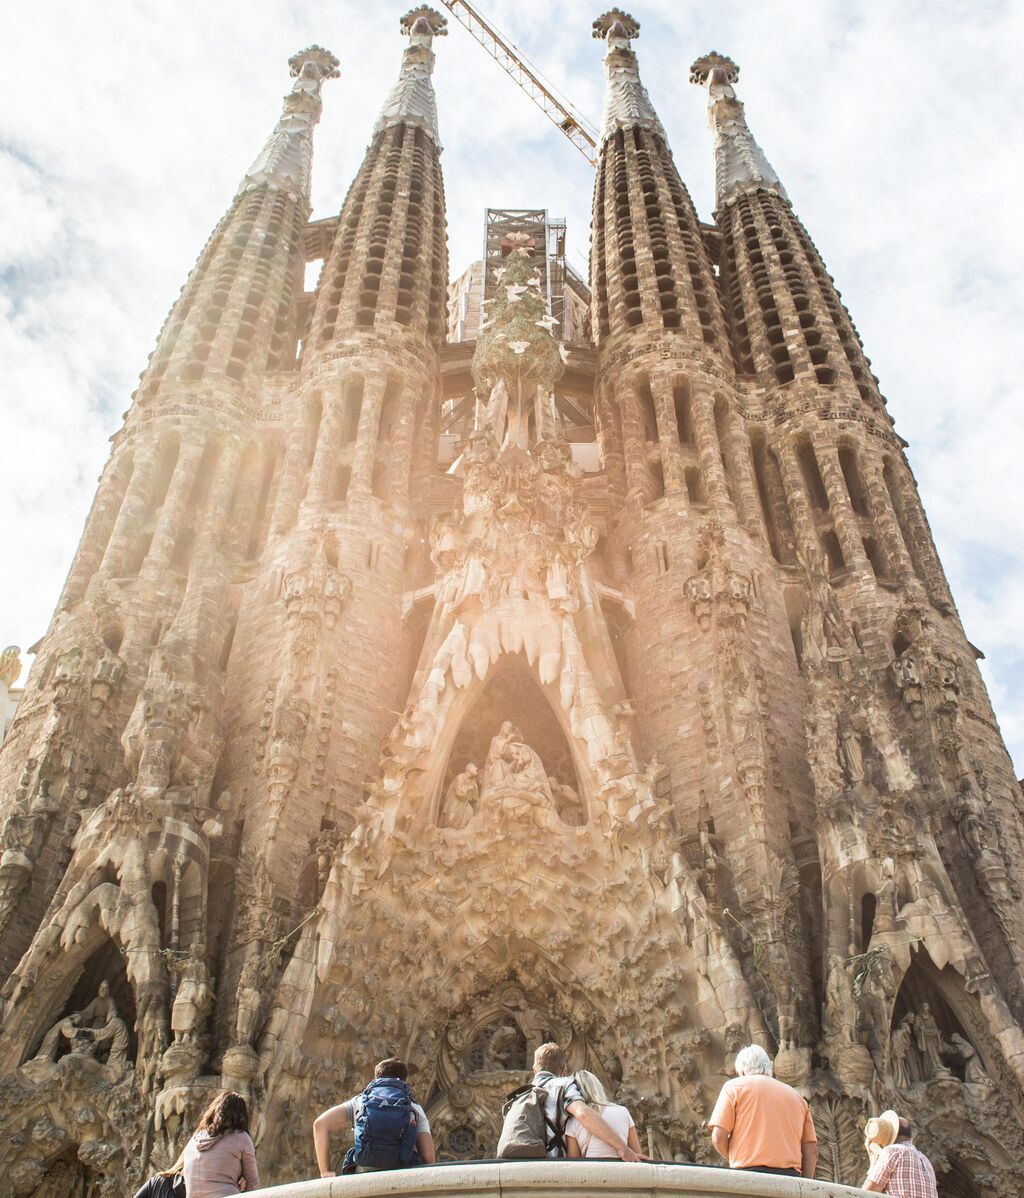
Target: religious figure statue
842	1013
503	1047
512	763
968	813
974	1071
899	1053
851	753
567	801
116	1031
930	1043
101	1009
85	1030
70	1029
195	997
461	800
248	1002
899	775
736	1036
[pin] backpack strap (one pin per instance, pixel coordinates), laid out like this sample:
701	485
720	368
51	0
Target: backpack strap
557	1128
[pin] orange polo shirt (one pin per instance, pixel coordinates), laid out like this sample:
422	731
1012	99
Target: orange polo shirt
767	1121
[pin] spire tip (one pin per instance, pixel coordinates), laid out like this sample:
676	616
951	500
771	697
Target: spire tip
705	69
424	22
616	26
323	60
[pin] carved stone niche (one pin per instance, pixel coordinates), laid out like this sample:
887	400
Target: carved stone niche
95	1031
500	1036
511	740
485	1053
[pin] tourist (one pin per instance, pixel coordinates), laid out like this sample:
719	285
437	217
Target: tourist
168	1183
762	1124
580	1142
566	1099
390	1130
899	1168
220	1157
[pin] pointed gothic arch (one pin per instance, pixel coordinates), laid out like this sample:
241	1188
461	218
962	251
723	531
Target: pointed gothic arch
511	690
954	1009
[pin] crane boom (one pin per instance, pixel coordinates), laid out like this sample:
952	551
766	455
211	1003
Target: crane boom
571	123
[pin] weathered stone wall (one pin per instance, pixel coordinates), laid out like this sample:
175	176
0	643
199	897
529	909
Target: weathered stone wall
332	753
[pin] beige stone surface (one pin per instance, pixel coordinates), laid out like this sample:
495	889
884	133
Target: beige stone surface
562	1177
334	750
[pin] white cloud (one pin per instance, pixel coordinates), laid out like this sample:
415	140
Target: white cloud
893	127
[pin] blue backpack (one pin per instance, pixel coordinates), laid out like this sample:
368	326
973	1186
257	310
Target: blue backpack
385	1128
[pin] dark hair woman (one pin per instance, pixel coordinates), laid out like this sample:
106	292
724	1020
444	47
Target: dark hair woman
220	1155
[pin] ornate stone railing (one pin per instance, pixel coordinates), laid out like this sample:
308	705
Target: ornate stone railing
561	1179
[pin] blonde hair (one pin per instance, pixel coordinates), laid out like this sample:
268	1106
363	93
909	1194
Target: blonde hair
175	1169
594	1093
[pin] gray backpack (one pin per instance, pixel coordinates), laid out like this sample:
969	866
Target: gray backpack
527	1133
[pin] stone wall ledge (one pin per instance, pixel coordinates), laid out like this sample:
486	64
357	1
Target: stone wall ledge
564	1179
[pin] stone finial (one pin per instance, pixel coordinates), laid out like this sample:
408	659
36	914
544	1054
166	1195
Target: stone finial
424	22
616	25
702	69
322	60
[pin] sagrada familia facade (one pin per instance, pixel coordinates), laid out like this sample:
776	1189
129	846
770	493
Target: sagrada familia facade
332	751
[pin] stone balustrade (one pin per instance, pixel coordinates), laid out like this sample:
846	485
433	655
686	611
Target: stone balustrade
559	1179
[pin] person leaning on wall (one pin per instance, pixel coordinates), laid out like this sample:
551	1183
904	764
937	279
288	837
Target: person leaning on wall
760	1123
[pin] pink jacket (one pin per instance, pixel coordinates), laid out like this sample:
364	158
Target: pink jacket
213	1166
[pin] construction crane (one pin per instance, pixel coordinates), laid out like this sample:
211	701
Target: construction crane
576	127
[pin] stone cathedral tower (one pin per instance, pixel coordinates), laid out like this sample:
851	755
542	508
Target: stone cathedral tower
332	752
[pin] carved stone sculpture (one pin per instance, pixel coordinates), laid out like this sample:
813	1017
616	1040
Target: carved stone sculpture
461	800
194	998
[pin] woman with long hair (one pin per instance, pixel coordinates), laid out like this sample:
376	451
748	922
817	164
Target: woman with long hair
578	1141
168	1183
220	1156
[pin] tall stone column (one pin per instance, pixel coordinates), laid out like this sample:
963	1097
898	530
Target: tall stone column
844	519
668	436
172	515
365	452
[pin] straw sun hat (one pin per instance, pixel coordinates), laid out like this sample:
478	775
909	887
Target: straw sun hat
882	1130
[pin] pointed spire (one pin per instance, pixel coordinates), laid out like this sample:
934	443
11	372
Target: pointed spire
287	158
626	102
412	100
740	164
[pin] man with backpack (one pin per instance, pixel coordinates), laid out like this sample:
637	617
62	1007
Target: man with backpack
536	1115
390	1130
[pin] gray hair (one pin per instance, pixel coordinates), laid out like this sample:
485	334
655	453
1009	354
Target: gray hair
753	1059
593	1091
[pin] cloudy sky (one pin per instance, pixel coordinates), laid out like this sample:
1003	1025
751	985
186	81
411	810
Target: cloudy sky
124	128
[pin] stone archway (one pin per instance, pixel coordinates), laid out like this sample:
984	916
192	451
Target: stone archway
934	1032
512	693
486	1050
